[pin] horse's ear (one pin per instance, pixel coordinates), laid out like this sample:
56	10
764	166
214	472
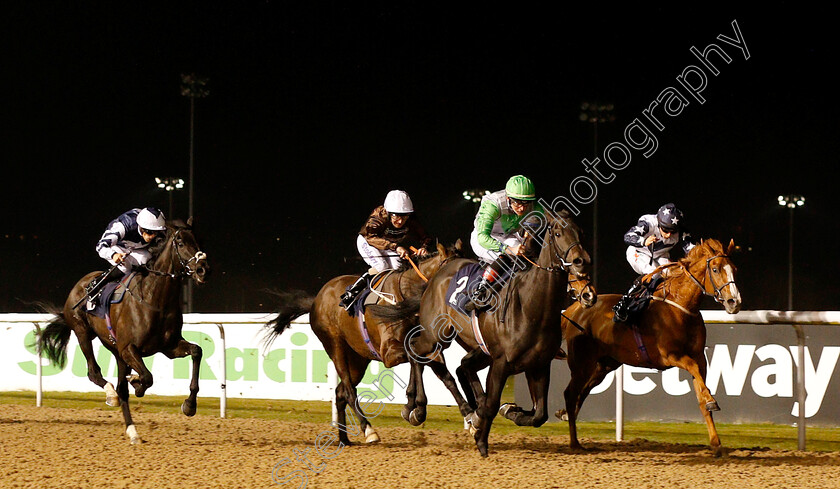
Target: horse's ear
731	247
190	221
441	249
459	245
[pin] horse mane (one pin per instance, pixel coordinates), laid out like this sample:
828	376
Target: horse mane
159	244
705	246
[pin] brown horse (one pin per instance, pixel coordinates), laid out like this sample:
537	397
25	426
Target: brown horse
521	332
147	321
670	332
343	338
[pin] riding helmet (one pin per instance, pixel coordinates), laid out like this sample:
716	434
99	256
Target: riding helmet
521	188
398	201
669	217
152	219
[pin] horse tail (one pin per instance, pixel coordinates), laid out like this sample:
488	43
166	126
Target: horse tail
54	338
291	305
404	310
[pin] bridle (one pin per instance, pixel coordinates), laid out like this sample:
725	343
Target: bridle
186	270
563	265
718	297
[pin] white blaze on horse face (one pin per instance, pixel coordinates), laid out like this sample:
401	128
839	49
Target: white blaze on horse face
730	277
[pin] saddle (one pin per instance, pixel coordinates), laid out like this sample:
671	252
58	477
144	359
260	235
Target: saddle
111	293
367	296
637	299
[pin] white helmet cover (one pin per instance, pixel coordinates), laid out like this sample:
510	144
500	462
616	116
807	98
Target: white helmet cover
151	219
399	202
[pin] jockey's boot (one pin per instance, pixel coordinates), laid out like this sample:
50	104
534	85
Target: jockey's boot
622	307
352	291
493	279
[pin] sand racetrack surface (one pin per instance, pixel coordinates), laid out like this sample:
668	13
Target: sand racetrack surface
72	448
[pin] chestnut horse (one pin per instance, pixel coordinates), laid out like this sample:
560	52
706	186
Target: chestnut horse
670	332
147	321
521	332
344	340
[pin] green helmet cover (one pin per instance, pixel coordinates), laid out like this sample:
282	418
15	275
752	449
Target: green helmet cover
520	187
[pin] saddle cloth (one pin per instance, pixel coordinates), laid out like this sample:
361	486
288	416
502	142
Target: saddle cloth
112	293
465	280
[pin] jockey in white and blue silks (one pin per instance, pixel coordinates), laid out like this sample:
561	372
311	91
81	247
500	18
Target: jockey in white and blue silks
651	240
649	244
125	240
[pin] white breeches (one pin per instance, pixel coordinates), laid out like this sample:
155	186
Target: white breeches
641	262
379	259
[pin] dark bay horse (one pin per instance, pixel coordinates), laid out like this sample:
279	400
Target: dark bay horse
344	340
670	332
147	321
520	333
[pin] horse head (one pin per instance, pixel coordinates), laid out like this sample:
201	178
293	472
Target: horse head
562	249
718	272
180	254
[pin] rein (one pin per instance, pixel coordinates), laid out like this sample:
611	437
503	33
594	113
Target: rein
185	270
413	265
708	274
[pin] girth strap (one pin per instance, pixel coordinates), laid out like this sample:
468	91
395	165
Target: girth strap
366	336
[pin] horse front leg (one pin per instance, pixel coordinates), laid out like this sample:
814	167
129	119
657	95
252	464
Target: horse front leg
131	355
487	410
467	374
415	372
182	349
439	368
122	391
538	387
697	368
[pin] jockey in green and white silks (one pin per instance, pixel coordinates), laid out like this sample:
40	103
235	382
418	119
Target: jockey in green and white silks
497	225
497	235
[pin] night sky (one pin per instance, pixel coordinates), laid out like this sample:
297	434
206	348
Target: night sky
315	112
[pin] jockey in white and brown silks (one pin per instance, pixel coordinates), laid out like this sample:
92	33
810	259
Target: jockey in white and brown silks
386	238
497	236
649	244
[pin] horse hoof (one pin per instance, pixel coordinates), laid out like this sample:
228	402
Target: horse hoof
188	408
712	406
371	436
414	419
131	431
470	421
718	452
405	413
111	397
562	415
505	408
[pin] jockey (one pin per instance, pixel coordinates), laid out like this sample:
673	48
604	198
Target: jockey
496	237
124	241
384	238
650	243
